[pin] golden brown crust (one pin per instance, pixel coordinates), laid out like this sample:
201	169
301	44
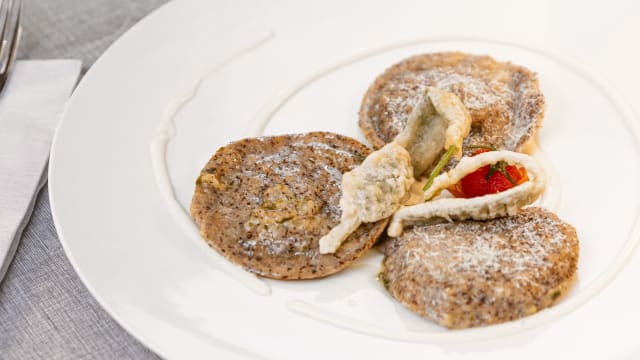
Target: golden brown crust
476	273
504	100
265	203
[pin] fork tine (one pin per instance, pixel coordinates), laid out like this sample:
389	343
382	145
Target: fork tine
6	5
9	42
15	37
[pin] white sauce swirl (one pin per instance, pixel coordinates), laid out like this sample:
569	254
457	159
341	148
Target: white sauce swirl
158	149
166	130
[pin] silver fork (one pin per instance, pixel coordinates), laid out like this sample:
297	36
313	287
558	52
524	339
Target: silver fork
10	11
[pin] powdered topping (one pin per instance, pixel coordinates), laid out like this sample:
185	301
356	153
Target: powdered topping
527	104
475	273
401	94
508	246
264	203
283	213
476	94
503	99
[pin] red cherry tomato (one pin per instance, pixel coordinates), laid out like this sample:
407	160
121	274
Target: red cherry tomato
475	184
478	183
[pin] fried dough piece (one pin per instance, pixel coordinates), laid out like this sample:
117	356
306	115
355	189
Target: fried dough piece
484	207
438	121
476	273
504	100
382	183
371	192
264	204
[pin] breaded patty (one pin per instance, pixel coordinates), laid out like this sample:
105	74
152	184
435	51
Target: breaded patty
475	273
504	100
264	203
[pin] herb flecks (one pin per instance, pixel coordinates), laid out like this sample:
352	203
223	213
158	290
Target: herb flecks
439	166
501	167
382	279
555	294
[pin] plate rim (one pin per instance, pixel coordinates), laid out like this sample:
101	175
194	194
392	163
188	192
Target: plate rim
602	281
126	325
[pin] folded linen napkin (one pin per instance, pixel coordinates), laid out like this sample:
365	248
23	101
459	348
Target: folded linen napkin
30	107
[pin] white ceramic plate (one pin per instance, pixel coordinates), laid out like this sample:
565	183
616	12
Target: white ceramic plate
282	68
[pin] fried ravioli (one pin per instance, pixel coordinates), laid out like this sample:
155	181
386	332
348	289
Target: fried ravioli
476	273
264	204
504	100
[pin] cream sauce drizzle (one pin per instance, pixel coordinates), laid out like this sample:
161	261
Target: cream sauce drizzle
550	199
308	310
165	131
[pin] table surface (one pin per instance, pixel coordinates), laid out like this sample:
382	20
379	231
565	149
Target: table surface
45	310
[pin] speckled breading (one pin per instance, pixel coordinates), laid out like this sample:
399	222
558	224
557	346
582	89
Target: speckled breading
265	203
504	100
476	273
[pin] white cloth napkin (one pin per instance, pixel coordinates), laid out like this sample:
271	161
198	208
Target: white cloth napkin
30	107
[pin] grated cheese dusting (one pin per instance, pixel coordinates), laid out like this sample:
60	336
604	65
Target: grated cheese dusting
475	93
473	273
504	100
507	247
264	203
